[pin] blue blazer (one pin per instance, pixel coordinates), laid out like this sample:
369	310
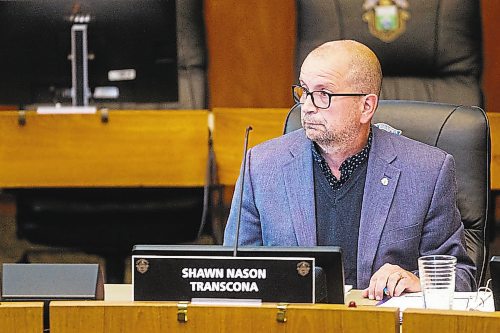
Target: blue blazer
409	204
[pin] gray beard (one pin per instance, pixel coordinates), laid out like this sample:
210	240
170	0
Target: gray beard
335	142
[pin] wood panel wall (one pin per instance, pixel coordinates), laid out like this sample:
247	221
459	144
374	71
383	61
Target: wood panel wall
251	52
491	48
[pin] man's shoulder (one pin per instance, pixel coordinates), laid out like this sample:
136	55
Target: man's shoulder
411	150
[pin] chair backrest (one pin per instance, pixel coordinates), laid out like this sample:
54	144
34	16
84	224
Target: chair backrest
462	131
432	53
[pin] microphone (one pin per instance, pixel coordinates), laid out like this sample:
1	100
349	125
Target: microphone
242	177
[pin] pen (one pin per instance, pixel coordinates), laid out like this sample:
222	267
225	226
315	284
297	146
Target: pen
385	298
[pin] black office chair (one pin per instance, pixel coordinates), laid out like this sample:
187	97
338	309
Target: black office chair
432	54
462	131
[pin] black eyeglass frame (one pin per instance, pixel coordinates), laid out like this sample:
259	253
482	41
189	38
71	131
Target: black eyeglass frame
310	93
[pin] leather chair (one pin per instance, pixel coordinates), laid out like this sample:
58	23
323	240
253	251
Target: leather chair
433	54
462	131
109	221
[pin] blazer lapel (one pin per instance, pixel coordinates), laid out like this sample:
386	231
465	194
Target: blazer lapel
381	182
299	185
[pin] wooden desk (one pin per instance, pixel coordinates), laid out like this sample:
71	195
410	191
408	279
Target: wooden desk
156	317
229	135
21	317
125	316
435	321
142	148
135	148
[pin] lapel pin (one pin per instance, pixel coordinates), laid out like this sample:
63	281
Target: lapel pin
384	181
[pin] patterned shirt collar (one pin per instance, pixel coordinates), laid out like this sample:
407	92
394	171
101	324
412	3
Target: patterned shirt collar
347	167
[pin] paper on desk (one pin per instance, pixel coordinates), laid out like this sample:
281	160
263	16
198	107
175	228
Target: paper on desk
66	110
461	301
403	302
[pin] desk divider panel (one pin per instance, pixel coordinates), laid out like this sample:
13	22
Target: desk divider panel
340	318
156	317
441	321
229	132
21	317
134	148
112	317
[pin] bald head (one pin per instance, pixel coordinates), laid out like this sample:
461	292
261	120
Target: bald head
363	67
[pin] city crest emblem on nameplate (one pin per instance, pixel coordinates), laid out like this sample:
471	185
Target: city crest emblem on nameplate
303	268
142	265
386	18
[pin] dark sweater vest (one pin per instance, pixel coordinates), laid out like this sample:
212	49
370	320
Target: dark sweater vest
337	216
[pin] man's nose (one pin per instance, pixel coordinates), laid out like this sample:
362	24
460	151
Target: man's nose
308	105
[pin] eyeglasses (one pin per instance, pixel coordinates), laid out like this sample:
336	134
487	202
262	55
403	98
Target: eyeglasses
320	99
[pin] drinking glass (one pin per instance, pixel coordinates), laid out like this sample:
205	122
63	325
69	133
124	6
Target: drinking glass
437	279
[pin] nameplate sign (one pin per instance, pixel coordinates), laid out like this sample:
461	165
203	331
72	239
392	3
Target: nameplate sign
182	278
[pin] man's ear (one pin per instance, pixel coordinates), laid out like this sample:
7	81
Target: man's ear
370	104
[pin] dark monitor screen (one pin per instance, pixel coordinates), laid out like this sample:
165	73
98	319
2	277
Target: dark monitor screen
329	273
123	35
495	277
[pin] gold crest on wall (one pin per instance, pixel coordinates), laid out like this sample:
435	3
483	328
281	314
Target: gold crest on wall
386	18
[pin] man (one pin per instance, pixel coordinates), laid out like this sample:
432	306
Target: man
385	199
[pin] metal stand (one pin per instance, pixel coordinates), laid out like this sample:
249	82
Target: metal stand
80	91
